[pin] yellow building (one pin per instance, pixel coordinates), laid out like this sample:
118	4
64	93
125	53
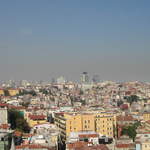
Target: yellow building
145	145
104	125
13	92
146	116
75	122
79	122
2	92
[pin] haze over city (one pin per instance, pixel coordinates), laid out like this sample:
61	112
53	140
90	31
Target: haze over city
74	75
44	39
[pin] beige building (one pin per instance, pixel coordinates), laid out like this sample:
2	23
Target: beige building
146	116
3	114
143	145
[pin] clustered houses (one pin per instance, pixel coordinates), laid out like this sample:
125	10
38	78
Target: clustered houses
67	115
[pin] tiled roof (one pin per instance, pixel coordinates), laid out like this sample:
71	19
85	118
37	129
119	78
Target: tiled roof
16	107
148	121
125	118
3	105
87	135
4	126
81	145
17	133
32	146
124	145
37	117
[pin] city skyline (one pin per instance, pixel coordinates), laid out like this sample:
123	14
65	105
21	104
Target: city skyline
40	40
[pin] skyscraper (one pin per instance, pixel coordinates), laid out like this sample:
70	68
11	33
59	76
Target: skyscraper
95	78
61	80
84	77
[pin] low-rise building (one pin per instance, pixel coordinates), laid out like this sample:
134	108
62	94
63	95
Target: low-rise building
36	119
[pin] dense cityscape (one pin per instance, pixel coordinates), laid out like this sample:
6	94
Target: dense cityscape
90	114
74	74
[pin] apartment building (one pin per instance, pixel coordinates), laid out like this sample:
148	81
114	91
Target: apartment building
146	116
101	123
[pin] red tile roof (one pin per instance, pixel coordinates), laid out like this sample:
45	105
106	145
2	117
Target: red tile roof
37	117
32	146
124	145
17	133
87	135
81	145
125	118
3	105
148	121
4	126
16	107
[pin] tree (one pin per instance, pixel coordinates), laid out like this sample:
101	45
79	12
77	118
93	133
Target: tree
33	93
132	98
17	121
22	125
131	130
137	124
44	91
25	104
81	92
83	102
120	102
6	93
25	92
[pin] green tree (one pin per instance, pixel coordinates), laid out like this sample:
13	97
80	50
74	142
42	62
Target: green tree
137	124
6	93
83	102
33	93
131	130
17	121
120	102
44	91
81	92
132	98
25	104
22	125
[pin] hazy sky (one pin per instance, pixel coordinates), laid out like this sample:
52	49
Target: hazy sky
40	39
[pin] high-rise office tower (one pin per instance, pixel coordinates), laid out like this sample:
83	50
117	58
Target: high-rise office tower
95	78
85	77
61	80
53	80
